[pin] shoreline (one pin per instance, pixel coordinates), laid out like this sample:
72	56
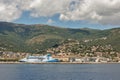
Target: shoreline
61	63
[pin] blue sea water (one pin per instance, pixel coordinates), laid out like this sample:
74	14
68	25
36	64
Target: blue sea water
59	71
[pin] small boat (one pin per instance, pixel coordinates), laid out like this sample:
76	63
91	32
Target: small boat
37	59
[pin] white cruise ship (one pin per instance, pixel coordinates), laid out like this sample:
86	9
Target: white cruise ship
37	59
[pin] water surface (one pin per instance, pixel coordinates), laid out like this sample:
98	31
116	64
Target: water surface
59	71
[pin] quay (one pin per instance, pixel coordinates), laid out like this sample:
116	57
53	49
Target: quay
60	63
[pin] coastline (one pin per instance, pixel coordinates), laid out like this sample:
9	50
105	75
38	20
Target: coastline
61	63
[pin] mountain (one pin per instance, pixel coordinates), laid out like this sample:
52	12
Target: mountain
37	38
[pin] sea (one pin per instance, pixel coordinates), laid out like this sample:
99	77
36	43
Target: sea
59	71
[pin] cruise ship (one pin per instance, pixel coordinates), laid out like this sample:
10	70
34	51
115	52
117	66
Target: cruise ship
37	59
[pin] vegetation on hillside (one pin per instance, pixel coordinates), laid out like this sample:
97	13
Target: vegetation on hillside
39	38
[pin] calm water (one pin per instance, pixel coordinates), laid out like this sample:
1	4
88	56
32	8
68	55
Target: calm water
59	71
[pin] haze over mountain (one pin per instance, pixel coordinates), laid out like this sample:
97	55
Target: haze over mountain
33	38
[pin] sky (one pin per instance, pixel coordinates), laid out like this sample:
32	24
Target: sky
96	14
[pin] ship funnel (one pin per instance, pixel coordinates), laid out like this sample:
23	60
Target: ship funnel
48	56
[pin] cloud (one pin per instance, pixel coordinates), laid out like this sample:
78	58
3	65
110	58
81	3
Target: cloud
50	21
48	7
9	10
95	11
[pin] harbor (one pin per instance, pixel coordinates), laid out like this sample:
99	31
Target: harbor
59	58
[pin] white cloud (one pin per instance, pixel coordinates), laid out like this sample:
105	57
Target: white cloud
50	21
100	11
48	7
9	10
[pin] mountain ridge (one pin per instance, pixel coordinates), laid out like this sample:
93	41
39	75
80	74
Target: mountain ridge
29	38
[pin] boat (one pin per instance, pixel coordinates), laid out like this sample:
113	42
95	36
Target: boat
37	59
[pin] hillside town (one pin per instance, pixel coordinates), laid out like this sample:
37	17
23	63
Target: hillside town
71	51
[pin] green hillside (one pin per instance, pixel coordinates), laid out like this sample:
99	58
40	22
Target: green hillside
38	38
